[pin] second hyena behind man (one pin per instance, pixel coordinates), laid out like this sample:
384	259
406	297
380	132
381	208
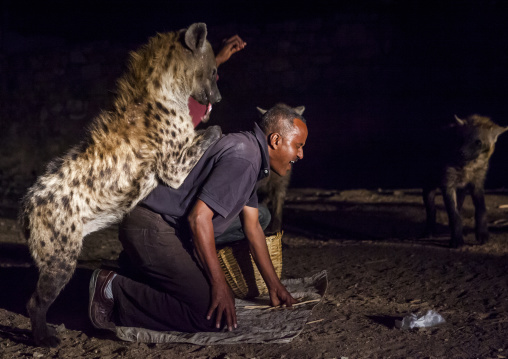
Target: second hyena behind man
459	166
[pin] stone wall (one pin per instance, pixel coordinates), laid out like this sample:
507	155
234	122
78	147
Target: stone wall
50	94
371	83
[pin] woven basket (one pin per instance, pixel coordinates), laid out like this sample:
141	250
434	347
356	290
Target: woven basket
241	272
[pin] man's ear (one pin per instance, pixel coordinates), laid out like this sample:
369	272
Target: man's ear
274	140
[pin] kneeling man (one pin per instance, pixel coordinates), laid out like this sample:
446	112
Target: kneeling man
172	279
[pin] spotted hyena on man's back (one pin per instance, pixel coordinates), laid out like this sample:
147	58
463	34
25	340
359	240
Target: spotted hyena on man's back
460	166
148	136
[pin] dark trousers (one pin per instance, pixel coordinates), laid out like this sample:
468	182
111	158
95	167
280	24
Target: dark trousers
161	286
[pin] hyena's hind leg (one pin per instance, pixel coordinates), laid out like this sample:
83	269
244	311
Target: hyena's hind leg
174	174
55	270
429	197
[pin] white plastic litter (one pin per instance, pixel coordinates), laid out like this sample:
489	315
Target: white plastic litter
410	321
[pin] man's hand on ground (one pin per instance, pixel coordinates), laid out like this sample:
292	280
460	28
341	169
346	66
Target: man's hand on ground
224	302
281	297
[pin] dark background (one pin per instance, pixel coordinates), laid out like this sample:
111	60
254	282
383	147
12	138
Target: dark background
375	76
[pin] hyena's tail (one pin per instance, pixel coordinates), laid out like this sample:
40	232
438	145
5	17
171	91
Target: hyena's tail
23	231
23	220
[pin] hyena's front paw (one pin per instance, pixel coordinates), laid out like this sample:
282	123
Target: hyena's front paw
208	136
176	174
482	237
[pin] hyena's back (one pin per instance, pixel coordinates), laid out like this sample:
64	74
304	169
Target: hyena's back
91	186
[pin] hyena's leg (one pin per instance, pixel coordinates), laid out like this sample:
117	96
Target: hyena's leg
56	268
455	222
481	227
429	197
461	195
51	281
277	192
173	171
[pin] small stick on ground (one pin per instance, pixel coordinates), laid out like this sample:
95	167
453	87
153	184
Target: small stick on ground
269	307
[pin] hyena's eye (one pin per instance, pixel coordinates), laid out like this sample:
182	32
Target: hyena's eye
478	143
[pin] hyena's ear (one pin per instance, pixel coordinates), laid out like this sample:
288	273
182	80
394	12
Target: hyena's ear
195	36
501	130
459	121
299	110
261	111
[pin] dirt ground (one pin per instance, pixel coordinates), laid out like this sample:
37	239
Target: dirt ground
379	270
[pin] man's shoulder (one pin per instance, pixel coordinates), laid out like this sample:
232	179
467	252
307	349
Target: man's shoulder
239	144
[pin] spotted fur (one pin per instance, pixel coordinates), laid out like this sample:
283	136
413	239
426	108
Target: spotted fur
147	137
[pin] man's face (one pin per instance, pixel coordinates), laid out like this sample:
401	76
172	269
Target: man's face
284	151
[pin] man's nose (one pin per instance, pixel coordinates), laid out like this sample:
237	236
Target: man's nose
300	154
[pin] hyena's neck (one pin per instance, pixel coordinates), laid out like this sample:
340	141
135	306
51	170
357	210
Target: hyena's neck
166	95
177	100
163	84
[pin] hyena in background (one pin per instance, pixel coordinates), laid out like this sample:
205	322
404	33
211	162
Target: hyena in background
272	190
272	193
148	136
460	167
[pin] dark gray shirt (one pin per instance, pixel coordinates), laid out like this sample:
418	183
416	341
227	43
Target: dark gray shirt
224	178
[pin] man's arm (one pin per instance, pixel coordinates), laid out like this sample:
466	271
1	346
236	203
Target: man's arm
200	221
229	47
257	243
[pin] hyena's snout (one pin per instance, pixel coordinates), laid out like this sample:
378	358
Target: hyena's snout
214	95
